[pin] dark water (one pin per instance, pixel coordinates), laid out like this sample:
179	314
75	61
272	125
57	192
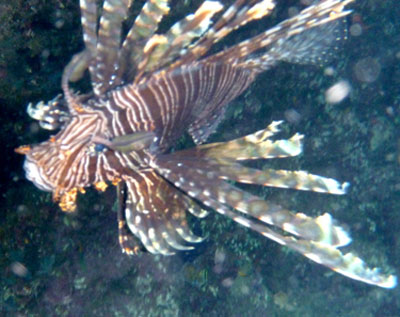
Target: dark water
56	264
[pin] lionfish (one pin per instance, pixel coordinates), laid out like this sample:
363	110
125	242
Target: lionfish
148	90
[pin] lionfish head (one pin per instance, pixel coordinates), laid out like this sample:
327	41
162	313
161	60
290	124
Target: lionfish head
59	164
83	153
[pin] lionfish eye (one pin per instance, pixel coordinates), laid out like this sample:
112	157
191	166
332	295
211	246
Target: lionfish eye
99	147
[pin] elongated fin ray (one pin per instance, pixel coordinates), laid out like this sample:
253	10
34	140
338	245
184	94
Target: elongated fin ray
155	213
132	52
108	44
89	23
181	34
318	239
299	180
74	70
237	15
205	184
129	243
253	146
89	28
138	219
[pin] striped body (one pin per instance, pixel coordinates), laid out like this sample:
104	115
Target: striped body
148	89
173	103
170	104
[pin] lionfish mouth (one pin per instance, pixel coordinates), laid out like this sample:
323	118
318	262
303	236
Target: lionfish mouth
34	173
149	89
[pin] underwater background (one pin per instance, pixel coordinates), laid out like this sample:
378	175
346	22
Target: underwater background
58	264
